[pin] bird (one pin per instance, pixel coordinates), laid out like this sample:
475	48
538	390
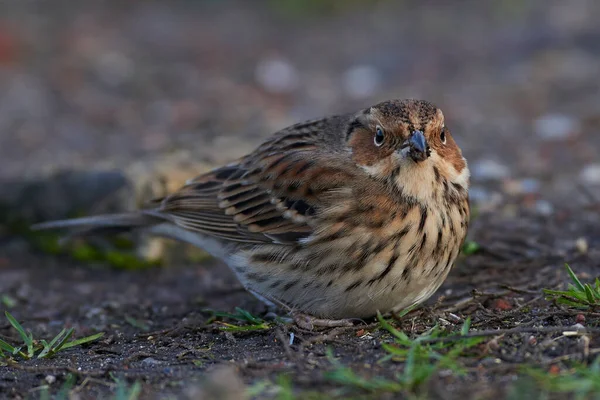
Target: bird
335	218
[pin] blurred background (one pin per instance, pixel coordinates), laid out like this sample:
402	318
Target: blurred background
158	91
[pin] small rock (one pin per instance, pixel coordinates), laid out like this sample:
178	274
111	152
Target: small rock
554	370
151	361
521	186
489	170
544	207
532	340
50	379
582	246
276	75
580	319
114	68
555	126
361	81
590	174
501	305
577	327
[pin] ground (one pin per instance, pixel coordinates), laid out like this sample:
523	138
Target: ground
160	329
149	95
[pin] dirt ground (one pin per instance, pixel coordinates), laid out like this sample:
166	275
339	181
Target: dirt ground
109	86
157	332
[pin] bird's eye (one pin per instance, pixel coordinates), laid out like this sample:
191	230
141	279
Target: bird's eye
379	137
443	136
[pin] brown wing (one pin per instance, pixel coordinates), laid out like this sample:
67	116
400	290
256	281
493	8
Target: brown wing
273	196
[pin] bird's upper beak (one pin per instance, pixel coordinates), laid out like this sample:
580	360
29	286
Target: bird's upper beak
418	148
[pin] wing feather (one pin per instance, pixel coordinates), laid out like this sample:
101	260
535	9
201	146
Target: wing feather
271	196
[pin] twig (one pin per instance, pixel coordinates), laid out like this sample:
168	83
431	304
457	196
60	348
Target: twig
517	290
501	332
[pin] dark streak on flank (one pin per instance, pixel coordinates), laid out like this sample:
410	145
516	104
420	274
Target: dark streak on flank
387	270
438	244
423	218
276	284
263	258
354	285
423	241
256	277
406	275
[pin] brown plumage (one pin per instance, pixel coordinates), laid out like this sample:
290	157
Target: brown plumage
339	217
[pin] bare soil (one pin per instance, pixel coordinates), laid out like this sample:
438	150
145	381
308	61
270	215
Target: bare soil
173	344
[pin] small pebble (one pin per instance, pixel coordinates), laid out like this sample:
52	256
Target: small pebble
151	361
581	245
555	126
50	379
276	75
532	340
501	305
580	319
489	170
590	174
454	317
577	327
361	81
544	207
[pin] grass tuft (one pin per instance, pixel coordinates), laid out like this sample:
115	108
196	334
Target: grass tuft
32	348
577	295
249	321
580	380
422	356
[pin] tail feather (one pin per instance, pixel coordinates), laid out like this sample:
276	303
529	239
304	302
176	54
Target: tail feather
102	223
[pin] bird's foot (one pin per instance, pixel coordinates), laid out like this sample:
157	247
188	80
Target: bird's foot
308	322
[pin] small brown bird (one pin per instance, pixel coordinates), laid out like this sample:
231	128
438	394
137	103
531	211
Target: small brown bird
337	218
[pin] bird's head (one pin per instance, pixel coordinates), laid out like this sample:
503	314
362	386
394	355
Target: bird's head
407	142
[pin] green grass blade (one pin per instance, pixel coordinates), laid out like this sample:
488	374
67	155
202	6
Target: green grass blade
134	392
574	278
57	338
6	347
27	338
81	341
45	350
18	327
597	288
401	336
406	311
395	351
61	343
466	326
48	347
247	316
409	365
589	294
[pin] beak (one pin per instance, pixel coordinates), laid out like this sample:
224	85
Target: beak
418	148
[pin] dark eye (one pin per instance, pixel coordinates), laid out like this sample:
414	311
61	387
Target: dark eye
443	136
379	137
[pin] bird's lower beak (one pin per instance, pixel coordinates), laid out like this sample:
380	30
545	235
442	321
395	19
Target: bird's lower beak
418	148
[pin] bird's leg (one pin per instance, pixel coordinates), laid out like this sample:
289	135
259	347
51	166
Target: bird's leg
304	321
308	322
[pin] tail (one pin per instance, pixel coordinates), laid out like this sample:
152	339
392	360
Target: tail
109	223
